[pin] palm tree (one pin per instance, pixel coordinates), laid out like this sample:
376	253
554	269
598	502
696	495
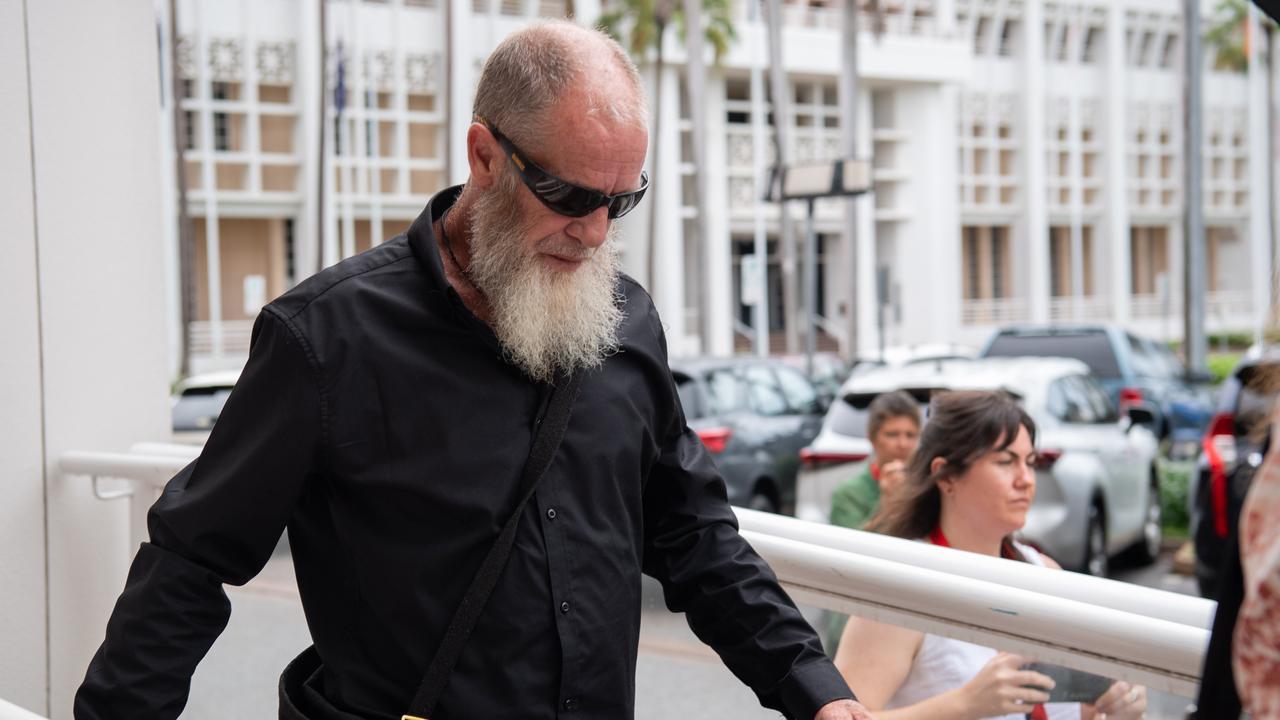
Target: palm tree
641	26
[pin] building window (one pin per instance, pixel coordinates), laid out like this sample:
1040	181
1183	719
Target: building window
1148	258
986	262
1153	156
988	154
221	122
1061	274
1225	254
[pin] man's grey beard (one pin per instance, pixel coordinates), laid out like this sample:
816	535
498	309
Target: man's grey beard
547	321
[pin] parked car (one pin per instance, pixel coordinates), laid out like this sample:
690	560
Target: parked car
899	355
1131	369
197	403
829	371
1231	453
754	415
1097	492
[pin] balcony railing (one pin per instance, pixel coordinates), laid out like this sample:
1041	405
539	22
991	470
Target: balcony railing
994	311
1090	308
235	337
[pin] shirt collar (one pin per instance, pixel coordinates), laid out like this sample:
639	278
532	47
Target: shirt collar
422	235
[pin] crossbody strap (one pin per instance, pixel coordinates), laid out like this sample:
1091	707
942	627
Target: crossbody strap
550	429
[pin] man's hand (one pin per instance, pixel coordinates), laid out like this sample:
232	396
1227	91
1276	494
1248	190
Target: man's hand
843	710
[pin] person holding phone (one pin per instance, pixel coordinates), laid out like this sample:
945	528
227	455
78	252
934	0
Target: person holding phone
969	486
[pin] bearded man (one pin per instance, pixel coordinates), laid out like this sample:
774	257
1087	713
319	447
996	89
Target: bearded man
489	373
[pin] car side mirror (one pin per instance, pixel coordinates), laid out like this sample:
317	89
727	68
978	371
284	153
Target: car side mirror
1139	415
823	401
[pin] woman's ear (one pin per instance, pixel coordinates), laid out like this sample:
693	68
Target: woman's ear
937	471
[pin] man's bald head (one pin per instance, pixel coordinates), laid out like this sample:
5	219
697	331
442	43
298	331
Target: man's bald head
552	61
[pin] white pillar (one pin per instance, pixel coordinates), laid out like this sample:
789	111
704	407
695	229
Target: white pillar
461	88
586	12
209	184
1116	179
307	93
1036	215
719	252
868	341
24	654
84	318
669	261
169	197
1259	156
942	242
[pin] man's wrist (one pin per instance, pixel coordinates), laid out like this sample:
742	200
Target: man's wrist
808	688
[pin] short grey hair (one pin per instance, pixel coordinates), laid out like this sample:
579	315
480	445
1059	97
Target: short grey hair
536	66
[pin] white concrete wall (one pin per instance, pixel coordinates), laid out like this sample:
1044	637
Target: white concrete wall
83	303
23	653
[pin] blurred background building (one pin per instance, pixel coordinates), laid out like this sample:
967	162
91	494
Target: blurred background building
1026	155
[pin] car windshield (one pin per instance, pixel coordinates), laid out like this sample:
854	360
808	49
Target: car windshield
1094	349
847	420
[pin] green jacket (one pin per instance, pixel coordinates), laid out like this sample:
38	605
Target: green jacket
855	500
852	505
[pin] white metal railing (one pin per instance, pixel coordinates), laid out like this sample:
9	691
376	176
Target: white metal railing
1089	308
9	711
136	477
235	337
994	311
1110	628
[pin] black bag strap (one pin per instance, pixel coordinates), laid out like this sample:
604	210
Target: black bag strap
550	429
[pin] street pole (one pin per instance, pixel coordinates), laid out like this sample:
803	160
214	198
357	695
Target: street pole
782	158
1193	211
761	316
810	290
848	99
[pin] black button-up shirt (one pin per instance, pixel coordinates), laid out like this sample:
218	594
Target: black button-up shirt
377	420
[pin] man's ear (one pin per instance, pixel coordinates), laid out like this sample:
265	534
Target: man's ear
484	156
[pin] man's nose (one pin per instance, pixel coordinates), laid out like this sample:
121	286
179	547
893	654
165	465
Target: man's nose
590	230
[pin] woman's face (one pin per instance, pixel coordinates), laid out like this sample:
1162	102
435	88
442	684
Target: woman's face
997	489
896	439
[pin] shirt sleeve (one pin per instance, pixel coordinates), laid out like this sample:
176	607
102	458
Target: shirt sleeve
216	522
731	598
850	506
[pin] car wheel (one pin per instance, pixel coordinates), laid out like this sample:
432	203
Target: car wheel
1152	528
1095	549
762	502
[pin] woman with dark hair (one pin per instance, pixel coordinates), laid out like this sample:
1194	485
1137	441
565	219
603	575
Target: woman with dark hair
893	427
969	487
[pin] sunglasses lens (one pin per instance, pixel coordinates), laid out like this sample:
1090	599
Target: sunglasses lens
624	204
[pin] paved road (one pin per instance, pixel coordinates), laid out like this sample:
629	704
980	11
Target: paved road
676	676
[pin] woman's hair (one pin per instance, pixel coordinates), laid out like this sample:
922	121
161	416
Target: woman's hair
890	405
962	427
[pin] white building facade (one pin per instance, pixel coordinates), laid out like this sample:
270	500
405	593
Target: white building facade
1027	163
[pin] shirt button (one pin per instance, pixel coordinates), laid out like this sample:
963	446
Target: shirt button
564	607
551	513
571	704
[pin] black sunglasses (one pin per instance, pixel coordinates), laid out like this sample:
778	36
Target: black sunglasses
563	196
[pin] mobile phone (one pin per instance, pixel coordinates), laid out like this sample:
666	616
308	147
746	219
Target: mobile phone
1072	685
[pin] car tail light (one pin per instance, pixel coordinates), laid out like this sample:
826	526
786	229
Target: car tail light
1130	396
715	438
1046	457
814	460
1219	450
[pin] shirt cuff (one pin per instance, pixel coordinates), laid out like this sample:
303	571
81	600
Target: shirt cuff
809	687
